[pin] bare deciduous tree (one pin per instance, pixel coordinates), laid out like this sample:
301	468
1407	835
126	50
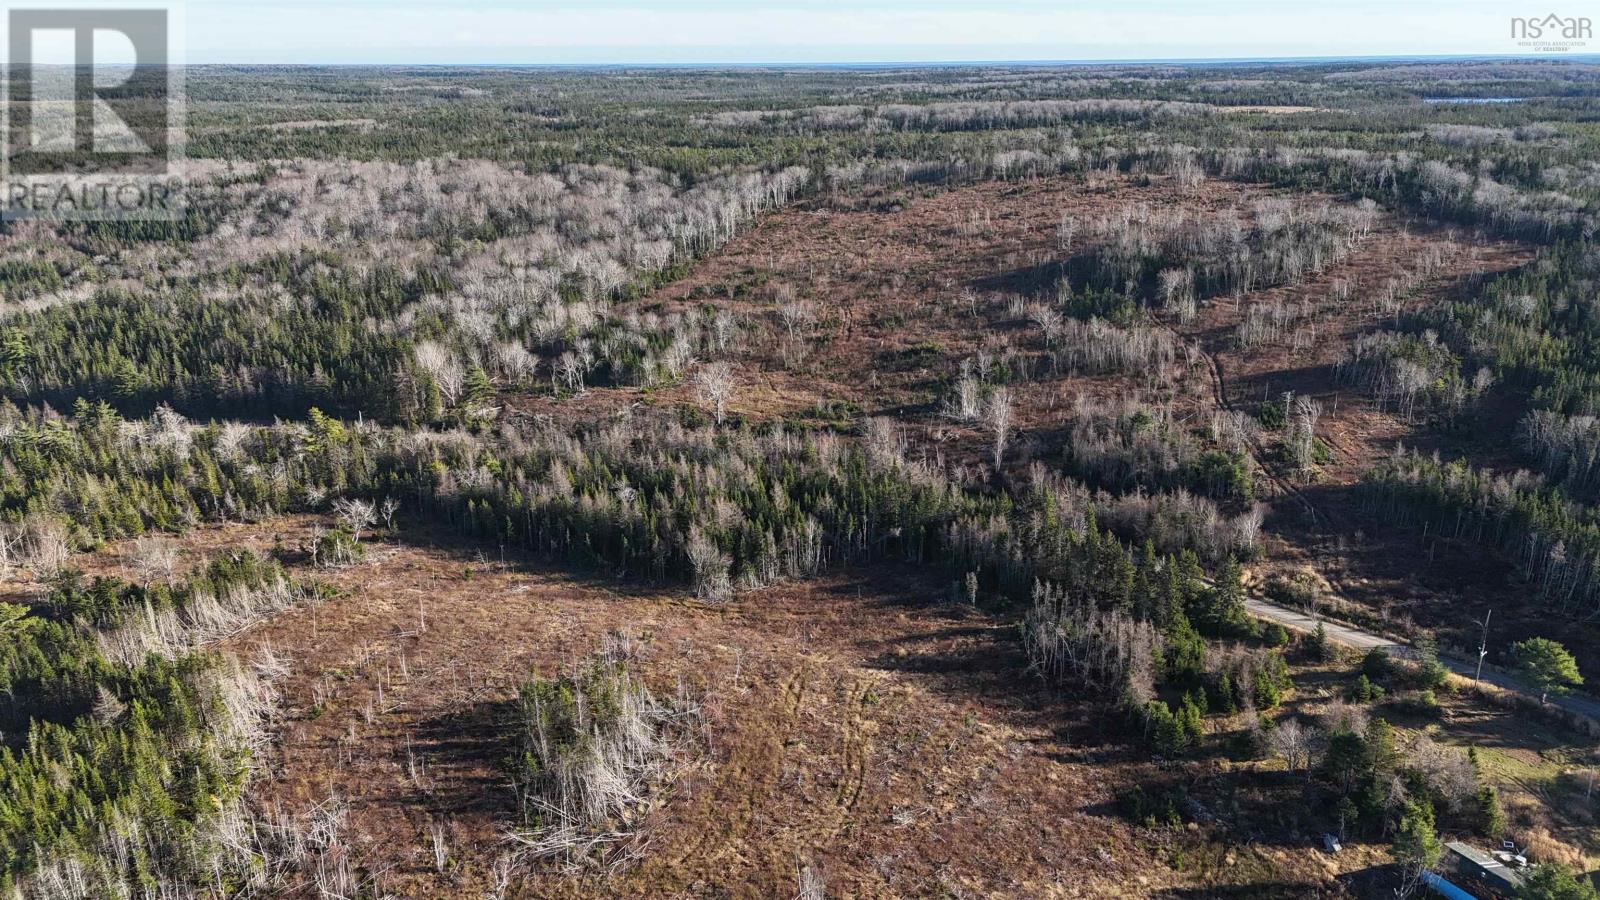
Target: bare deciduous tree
10	550
440	846
723	328
1066	230
441	365
1048	321
709	566
1302	438
153	557
570	369
883	442
714	384
796	316
1177	292
1447	770
45	546
811	885
1067	638
966	401
386	511
1097	347
1340	715
356	514
1293	742
998	414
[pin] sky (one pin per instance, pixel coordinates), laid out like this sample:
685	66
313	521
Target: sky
483	32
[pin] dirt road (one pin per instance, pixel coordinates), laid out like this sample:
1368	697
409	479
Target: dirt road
1351	636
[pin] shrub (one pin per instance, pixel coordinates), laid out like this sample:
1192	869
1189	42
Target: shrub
1271	681
1364	691
337	547
1419	703
1556	881
1376	664
590	747
1149	810
1172	734
1431	674
1300	589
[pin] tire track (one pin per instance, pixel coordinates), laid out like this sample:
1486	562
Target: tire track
1219	395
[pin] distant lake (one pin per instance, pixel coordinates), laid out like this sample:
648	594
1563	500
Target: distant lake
1473	99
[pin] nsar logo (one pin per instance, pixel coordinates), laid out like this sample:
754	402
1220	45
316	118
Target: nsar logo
1552	33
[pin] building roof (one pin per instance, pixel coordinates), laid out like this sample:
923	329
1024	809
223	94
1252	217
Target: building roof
1480	864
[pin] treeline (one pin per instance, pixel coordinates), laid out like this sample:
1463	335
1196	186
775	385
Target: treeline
1152	658
395	293
743	508
1411	373
954	116
121	777
663	502
1431	187
1538	328
1126	445
1134	629
1098	347
108	477
1555	542
1174	258
1566	448
643	497
309	342
1533	329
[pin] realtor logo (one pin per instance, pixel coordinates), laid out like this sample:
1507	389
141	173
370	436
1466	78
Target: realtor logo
91	113
1552	33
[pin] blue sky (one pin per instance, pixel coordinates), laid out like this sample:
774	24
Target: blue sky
812	31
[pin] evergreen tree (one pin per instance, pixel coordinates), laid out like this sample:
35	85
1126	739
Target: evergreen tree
1220	611
1548	665
1556	881
1416	844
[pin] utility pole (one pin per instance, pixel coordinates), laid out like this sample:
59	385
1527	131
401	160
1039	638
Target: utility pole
1483	647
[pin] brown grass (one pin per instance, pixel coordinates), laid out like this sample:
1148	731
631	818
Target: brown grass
856	724
892	271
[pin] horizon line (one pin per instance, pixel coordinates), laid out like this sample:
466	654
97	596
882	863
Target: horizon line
931	63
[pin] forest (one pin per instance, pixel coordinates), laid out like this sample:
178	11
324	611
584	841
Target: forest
1099	361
